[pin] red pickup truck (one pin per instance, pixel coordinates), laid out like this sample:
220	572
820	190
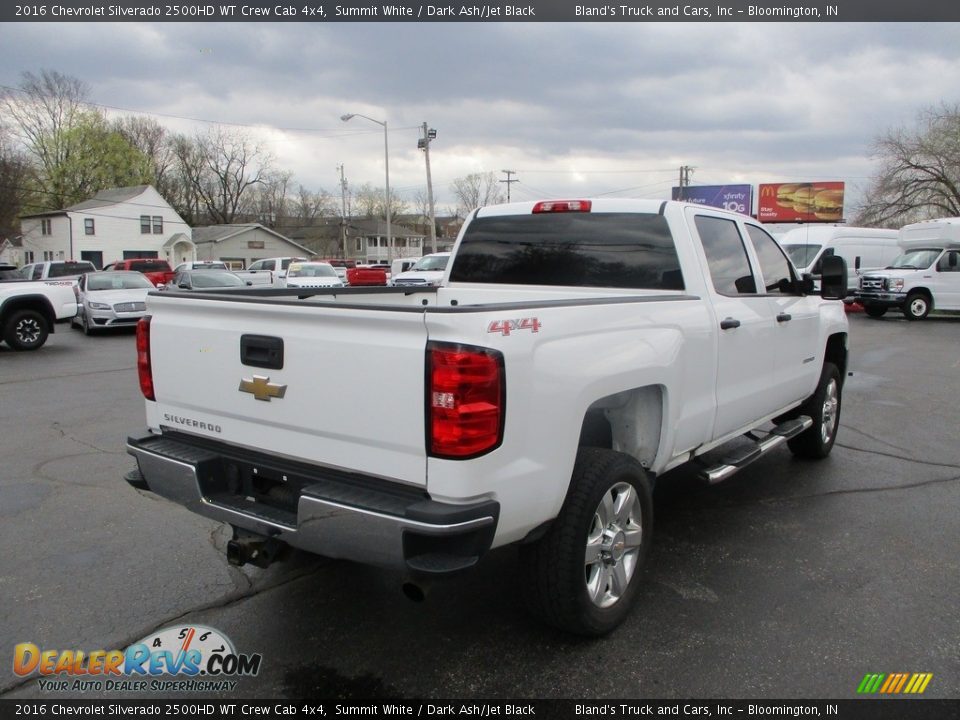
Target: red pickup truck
157	271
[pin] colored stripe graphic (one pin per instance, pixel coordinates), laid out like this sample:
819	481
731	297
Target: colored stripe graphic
894	683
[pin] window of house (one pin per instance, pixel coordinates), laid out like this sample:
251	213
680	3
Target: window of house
726	256
777	278
88	226
359	245
46	226
48	255
157	225
27	257
144	224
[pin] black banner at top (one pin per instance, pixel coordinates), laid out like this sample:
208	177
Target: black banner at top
482	11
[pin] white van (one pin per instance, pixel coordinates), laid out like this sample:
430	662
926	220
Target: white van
924	277
862	248
401	265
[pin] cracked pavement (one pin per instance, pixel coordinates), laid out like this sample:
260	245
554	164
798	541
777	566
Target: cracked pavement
792	579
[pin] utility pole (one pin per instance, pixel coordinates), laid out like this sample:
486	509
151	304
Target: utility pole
424	144
343	212
508	181
684	179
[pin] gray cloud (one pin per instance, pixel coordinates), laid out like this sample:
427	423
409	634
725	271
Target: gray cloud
617	104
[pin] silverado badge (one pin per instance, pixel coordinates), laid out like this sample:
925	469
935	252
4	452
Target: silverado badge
261	388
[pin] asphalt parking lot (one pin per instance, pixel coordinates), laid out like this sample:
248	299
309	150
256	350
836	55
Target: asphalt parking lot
790	580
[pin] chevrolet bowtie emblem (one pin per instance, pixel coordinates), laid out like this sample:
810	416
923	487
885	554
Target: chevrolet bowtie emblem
261	388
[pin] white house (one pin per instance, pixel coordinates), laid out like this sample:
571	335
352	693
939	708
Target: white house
115	224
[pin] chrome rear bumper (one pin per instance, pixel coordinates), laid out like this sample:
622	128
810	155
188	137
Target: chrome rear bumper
331	513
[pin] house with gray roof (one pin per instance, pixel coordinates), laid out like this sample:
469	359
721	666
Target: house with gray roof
115	224
239	245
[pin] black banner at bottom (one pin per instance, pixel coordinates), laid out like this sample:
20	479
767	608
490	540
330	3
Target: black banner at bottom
875	709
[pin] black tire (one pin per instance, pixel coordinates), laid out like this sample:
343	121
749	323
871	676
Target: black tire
26	330
85	323
917	306
823	407
875	311
562	585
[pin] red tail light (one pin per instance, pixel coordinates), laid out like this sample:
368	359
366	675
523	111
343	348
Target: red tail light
555	206
144	369
466	397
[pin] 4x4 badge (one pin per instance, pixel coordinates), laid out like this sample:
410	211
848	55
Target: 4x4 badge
261	388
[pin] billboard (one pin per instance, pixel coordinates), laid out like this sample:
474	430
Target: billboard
800	202
736	198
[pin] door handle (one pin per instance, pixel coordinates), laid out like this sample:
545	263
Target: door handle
729	323
784	317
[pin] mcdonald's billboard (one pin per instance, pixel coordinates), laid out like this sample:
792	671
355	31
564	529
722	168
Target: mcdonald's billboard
800	202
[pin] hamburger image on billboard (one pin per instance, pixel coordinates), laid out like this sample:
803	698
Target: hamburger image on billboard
801	202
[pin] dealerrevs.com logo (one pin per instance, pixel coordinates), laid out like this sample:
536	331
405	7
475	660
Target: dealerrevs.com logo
180	658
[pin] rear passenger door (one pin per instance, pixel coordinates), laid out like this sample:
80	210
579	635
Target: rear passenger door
746	332
946	282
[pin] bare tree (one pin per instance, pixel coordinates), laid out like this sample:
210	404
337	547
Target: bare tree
919	175
310	205
476	190
269	202
14	178
231	163
371	202
152	139
43	109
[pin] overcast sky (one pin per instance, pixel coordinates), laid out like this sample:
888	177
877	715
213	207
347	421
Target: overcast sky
576	109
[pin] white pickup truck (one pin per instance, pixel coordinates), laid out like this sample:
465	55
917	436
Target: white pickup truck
29	309
574	352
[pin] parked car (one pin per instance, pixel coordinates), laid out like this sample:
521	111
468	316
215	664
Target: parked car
428	272
401	265
201	265
339	264
367	275
312	275
277	268
156	271
56	269
206	280
29	310
110	299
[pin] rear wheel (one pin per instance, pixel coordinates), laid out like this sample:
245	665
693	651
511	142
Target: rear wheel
26	330
823	407
875	311
585	572
917	306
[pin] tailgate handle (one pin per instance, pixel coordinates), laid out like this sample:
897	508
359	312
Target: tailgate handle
261	351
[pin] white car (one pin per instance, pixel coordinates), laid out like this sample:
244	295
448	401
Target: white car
111	299
312	275
428	272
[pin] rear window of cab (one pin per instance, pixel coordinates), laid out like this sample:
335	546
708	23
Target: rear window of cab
615	250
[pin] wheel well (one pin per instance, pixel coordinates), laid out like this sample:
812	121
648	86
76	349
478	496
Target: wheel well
28	302
628	421
837	353
922	291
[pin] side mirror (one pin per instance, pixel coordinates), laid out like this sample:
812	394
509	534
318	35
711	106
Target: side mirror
833	278
856	263
249	282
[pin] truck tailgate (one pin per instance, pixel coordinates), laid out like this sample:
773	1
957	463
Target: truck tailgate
348	393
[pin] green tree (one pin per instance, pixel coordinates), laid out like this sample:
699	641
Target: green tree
99	157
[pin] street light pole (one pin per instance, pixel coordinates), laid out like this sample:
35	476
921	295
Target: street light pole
386	163
428	135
